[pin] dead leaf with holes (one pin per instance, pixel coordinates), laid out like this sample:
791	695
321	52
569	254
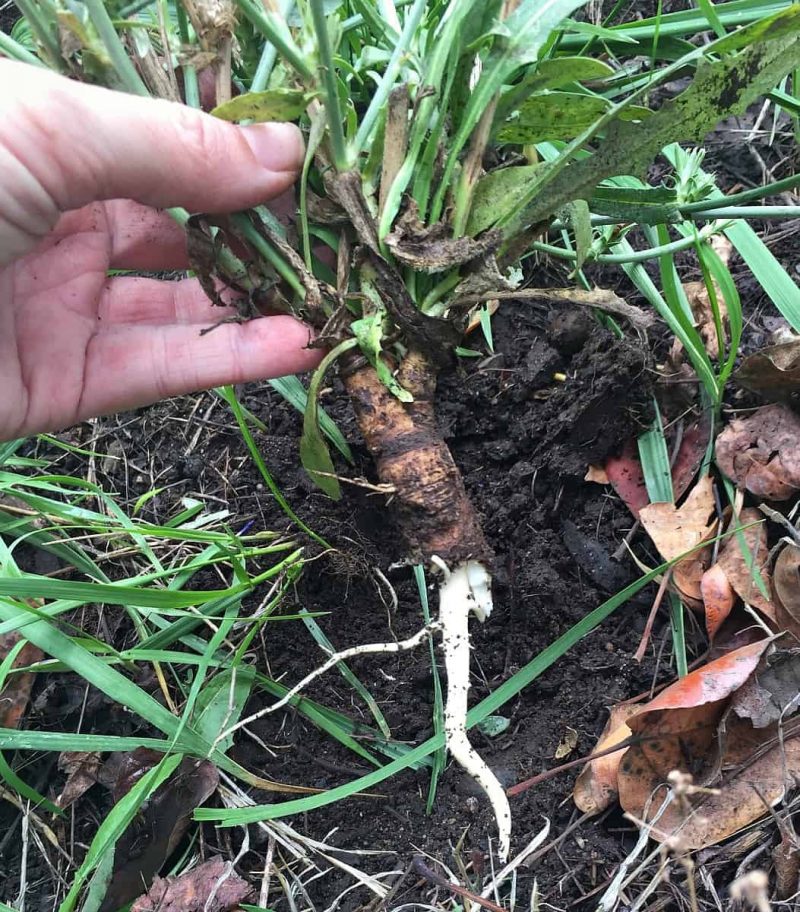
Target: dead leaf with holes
678	730
596	786
677	530
761	452
210	887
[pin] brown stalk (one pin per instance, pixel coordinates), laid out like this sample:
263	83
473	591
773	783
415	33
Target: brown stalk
436	515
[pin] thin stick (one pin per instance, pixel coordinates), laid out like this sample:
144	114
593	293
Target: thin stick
419	867
648	629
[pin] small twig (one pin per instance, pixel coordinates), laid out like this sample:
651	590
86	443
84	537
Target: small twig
419	867
648	628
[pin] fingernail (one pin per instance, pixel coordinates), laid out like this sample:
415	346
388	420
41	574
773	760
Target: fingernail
277	146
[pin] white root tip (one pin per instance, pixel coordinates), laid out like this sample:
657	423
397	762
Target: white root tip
466	589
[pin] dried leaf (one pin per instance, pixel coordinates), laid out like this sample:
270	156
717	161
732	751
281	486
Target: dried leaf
17	690
676	530
210	887
625	471
786	859
762	452
773	371
81	768
626	476
395	140
596	786
155	833
567	744
744	554
786	587
436	338
432	248
718	598
597	474
678	731
756	776
771	693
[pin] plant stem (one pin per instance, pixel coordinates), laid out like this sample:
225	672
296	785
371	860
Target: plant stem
43	32
638	256
270	254
191	89
378	101
328	74
120	60
277	32
16	51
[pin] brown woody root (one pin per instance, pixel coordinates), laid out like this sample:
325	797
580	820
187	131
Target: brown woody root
436	515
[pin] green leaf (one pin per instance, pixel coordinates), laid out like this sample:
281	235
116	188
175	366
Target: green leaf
649	206
560	115
220	703
293	391
369	332
552	74
495	193
492	726
720	88
274	104
577	215
314	452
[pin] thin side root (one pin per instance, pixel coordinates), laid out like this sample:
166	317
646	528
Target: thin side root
463	591
334	659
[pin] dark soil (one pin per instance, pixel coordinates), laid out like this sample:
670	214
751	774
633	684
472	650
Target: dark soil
523	441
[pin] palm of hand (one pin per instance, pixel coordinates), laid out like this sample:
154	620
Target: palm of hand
75	343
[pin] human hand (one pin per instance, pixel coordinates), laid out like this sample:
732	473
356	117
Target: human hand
73	158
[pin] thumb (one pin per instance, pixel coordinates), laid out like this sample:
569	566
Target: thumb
65	144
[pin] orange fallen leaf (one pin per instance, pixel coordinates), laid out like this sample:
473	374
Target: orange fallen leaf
738	802
762	452
743	556
596	786
718	598
678	728
676	530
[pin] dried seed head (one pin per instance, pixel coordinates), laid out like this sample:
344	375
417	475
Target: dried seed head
751	888
213	21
